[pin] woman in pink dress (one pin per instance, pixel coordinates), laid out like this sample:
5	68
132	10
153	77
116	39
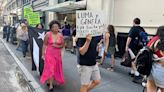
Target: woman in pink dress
51	53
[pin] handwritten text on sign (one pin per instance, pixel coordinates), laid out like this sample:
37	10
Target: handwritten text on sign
92	22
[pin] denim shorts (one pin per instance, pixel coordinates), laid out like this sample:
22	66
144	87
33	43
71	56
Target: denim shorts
111	50
157	74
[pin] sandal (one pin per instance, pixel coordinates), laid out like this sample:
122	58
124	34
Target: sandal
51	90
100	63
111	69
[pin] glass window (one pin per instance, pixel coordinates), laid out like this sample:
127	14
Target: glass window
61	1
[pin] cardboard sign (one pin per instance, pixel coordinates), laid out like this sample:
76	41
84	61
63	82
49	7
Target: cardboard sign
89	22
34	18
27	11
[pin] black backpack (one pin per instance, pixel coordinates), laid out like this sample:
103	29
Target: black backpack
144	61
127	60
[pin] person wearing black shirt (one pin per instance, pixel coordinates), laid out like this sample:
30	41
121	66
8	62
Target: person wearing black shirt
88	68
8	32
133	48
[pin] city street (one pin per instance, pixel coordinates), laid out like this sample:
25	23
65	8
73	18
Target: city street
41	28
117	81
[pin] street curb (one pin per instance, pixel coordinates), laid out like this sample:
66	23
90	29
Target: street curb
36	86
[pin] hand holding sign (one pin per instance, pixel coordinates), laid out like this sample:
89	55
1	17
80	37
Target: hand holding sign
89	37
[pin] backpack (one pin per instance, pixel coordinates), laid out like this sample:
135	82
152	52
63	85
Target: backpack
144	61
143	38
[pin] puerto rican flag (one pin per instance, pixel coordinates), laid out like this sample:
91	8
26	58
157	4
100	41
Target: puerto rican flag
36	37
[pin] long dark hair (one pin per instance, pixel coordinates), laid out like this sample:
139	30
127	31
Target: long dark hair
111	29
160	45
160	32
39	24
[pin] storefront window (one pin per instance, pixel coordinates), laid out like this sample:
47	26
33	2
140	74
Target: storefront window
19	3
70	18
61	1
26	1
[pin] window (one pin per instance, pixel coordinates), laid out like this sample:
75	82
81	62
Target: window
24	1
60	1
19	3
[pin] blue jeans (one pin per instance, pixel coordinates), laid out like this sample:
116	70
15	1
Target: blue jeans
24	47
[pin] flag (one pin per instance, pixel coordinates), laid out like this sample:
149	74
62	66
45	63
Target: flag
36	37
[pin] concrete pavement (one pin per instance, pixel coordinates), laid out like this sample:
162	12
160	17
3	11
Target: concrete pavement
9	82
117	81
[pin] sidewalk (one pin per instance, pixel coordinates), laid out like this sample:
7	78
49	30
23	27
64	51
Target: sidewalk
9	72
29	79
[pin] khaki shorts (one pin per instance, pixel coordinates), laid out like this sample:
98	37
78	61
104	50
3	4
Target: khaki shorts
88	74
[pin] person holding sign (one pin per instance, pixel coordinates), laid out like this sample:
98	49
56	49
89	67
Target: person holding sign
88	68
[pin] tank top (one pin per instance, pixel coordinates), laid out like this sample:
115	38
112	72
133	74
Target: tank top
112	40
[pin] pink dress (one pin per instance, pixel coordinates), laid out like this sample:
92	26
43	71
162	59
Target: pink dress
53	61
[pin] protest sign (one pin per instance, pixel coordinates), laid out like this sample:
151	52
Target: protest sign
92	22
34	18
27	11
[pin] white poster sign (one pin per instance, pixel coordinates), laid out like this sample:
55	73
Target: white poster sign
92	22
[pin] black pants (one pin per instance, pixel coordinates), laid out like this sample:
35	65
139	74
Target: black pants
4	35
7	37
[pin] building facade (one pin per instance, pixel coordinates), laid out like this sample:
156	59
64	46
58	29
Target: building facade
62	10
10	8
14	10
120	13
150	12
37	5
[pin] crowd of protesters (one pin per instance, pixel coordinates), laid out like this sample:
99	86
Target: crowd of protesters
88	50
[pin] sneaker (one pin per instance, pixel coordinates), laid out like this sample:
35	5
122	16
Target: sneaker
144	82
138	79
130	74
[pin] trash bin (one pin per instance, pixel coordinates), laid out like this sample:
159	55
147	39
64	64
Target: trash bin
121	39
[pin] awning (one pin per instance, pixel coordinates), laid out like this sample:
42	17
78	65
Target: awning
66	6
